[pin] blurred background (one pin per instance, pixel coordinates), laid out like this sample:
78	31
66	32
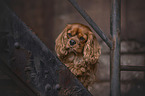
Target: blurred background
47	18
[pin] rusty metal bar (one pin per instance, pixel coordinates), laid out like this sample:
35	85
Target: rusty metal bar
127	53
132	68
115	29
133	53
91	22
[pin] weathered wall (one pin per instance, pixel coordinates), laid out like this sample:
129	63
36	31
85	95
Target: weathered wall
38	15
48	18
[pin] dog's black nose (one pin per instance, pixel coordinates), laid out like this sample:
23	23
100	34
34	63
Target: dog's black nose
72	42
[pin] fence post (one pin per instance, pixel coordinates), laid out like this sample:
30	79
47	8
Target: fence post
115	51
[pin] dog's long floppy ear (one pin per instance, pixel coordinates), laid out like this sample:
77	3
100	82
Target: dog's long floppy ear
92	49
60	42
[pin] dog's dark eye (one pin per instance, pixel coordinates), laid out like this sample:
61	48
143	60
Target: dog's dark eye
82	38
69	34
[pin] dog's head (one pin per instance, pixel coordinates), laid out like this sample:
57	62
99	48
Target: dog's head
78	39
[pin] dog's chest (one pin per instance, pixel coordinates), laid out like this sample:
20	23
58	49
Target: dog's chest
73	58
70	57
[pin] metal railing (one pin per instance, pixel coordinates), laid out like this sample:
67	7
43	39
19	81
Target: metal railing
113	44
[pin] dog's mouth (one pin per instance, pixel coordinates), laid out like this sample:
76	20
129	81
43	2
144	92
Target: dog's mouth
74	50
71	50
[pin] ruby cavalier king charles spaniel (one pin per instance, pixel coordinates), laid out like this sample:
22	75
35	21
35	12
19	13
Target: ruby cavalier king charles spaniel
78	48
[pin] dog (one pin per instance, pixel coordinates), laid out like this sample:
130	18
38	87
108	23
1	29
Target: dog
78	48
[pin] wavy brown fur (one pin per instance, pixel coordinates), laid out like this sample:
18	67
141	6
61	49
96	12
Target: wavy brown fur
80	56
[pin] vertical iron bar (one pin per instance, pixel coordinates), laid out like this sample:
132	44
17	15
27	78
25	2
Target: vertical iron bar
115	29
